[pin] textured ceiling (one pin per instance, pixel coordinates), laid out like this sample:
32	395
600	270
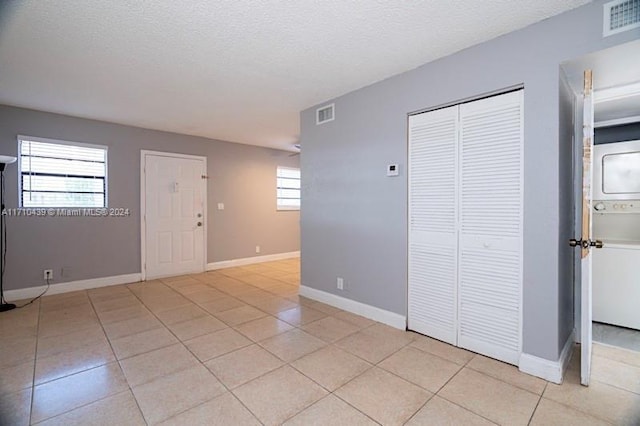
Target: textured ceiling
237	70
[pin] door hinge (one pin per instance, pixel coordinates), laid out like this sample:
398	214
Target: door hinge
204	177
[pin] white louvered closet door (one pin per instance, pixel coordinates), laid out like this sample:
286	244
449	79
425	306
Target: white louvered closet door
490	254
433	233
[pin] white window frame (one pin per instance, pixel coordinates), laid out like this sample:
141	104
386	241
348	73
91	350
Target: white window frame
63	142
281	207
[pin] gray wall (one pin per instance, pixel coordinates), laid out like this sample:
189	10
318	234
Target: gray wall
240	176
354	218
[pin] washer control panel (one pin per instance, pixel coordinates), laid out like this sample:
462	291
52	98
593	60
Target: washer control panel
618	206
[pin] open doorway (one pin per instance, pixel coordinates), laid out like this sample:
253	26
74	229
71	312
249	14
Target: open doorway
609	304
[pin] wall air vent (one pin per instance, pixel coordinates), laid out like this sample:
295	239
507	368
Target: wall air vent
325	114
621	15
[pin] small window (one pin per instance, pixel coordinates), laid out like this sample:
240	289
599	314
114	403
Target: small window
62	174
288	188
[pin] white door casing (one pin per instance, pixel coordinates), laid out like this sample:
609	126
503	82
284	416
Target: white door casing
587	216
173	204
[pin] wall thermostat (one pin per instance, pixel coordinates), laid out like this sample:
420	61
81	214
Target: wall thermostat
392	170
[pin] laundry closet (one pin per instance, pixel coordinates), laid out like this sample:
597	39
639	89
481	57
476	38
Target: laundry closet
465	224
616	208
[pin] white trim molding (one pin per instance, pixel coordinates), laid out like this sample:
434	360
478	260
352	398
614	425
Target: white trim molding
386	317
31	292
251	260
552	371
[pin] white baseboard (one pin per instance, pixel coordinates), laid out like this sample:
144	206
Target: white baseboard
31	292
552	371
386	317
250	260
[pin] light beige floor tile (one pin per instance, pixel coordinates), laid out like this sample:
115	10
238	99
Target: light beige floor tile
263	328
169	395
62	395
354	319
331	367
206	295
120	409
503	404
239	367
507	373
301	315
183	313
125	301
60	328
551	413
617	354
149	366
222	304
274	305
330	329
438	411
600	400
71	362
146	341
196	327
48	346
16	378
122	314
330	411
615	373
420	368
384	397
292	345
375	343
443	350
224	410
131	326
215	344
16	351
240	315
278	395
15	408
160	304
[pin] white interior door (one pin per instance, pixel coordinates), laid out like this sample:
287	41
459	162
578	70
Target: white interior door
433	228
490	257
585	243
174	211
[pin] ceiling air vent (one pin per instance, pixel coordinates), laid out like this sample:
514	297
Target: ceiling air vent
621	15
325	114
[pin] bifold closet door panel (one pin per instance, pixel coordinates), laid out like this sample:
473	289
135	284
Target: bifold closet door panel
433	245
490	251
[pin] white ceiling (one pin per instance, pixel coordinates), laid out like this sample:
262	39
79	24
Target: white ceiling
236	70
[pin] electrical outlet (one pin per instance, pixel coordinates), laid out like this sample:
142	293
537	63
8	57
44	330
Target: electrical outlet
48	274
257	249
340	283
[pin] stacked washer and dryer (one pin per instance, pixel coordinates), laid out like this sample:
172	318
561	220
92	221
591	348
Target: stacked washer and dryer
616	222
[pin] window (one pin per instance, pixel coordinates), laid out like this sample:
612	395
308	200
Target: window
61	174
288	188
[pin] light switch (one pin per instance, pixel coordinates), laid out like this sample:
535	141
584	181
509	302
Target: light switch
220	206
392	170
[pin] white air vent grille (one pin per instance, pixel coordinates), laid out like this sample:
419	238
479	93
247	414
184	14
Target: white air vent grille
621	15
325	114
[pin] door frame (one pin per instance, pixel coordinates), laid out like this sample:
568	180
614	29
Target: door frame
143	205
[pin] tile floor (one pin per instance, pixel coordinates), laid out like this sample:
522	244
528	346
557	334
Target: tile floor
240	347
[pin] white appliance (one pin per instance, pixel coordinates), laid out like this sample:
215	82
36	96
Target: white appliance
616	171
616	221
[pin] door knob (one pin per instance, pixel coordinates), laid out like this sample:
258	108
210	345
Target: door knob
596	244
574	243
